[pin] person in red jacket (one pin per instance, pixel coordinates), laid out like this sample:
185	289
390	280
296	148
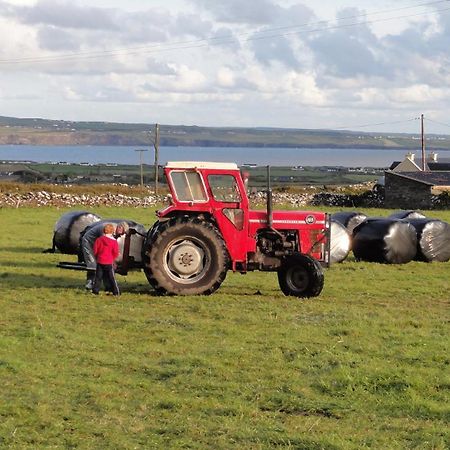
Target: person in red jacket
106	251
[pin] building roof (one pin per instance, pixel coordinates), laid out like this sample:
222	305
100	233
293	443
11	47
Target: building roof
406	162
440	165
436	178
201	165
394	165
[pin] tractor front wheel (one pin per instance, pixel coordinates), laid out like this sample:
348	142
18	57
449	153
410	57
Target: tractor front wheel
301	276
185	257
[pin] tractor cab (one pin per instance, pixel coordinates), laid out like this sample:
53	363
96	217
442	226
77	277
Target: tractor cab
202	186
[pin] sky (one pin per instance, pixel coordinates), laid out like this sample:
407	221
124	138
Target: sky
360	65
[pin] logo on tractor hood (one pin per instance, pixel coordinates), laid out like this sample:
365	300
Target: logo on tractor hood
310	219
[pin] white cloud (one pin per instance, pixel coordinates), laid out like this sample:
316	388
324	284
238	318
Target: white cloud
304	89
417	94
189	80
238	11
226	77
70	94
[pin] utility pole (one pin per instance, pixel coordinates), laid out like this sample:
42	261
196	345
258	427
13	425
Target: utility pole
422	133
140	163
156	147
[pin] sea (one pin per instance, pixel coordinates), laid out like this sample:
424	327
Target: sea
380	158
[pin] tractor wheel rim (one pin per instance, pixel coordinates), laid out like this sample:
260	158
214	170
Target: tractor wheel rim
185	260
297	278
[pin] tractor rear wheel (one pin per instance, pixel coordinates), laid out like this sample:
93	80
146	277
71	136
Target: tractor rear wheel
301	276
185	257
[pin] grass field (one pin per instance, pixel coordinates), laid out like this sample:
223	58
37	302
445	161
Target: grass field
365	365
130	174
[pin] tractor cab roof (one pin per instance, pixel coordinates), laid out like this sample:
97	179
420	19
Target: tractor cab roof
201	165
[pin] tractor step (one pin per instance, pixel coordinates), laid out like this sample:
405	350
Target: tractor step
72	265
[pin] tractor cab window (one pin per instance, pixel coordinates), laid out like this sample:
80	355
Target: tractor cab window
188	187
224	188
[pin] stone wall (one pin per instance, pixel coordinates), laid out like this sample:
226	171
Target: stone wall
403	193
44	198
366	199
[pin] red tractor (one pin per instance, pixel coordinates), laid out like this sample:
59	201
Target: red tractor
209	229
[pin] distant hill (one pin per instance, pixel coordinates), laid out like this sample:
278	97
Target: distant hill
34	131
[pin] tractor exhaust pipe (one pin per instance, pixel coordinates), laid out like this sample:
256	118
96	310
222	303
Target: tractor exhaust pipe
269	201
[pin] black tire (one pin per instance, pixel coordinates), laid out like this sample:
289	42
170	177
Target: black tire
185	256
301	276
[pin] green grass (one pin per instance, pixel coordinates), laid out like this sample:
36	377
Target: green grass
365	365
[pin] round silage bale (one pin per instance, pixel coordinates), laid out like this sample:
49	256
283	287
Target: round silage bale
407	214
67	230
385	241
433	239
350	220
340	242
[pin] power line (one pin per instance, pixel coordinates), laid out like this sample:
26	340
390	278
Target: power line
376	124
183	45
439	123
335	27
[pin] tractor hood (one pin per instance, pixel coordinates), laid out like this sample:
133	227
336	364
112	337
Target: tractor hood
288	219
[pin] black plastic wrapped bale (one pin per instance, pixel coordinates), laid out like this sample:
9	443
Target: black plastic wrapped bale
410	214
385	241
96	230
350	220
433	239
340	242
67	231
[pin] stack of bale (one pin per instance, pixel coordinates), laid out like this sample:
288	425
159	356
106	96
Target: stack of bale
402	237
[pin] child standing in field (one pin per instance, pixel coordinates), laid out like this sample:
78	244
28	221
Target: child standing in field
106	251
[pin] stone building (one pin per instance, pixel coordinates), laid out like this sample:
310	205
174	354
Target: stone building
414	190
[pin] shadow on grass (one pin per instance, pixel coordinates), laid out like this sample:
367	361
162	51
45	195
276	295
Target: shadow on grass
29	264
12	280
20	280
23	249
136	288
